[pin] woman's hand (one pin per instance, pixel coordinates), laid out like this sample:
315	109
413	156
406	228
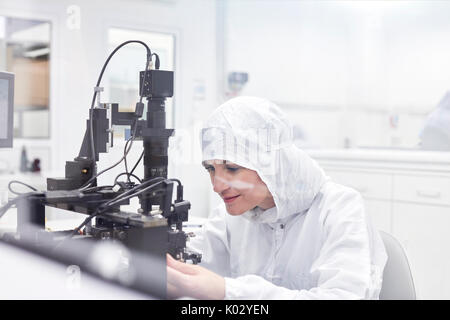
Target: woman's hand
187	280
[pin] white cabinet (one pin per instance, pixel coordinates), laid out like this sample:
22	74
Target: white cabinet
370	185
425	189
376	191
424	232
408	195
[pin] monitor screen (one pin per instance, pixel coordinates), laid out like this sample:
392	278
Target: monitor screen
6	109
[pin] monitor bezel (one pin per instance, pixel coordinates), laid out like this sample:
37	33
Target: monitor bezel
8	141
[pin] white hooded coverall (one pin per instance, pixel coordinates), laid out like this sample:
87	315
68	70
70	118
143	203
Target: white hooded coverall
316	243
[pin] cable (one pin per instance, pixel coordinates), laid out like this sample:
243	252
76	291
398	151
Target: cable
149	59
113	203
128	174
176	180
7	206
14	201
125	151
82	188
156	61
142	185
93	189
179	189
125	160
140	101
139	160
135	121
116	200
85	222
91	112
19	182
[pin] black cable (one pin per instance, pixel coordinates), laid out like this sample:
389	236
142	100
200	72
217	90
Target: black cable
134	130
142	185
139	160
114	165
116	200
97	188
125	151
19	182
176	180
156	61
140	101
128	174
91	112
85	222
149	59
89	182
113	203
7	206
14	201
179	189
125	160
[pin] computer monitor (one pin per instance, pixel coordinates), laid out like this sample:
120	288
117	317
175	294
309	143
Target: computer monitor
6	109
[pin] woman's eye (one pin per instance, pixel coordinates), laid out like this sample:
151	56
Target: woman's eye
209	169
232	169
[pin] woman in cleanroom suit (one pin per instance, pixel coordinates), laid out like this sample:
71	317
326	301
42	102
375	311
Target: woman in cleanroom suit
284	230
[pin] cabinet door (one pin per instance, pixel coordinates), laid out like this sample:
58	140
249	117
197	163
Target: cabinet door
379	212
431	190
424	232
370	185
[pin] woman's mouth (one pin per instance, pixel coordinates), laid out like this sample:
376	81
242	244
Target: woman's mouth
230	199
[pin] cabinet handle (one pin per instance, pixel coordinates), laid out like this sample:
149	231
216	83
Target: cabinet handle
428	194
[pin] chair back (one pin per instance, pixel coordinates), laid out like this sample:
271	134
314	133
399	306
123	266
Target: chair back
398	282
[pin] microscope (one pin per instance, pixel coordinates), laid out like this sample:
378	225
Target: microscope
156	228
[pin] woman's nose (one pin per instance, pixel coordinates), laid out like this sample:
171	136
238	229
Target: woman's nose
220	184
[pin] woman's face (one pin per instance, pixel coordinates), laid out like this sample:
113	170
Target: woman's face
240	188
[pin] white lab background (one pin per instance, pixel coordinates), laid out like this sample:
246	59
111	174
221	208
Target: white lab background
348	66
358	79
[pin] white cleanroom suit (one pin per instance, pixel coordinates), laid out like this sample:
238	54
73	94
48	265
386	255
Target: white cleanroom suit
316	243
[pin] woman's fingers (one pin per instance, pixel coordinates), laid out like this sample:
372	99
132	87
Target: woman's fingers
193	281
172	291
170	259
178	283
176	277
180	266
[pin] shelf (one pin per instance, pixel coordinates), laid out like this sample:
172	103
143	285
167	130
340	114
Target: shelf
384	159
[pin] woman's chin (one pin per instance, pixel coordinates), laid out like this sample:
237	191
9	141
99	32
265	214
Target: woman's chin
234	211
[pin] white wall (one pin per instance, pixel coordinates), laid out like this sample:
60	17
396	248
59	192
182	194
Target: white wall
347	57
79	53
